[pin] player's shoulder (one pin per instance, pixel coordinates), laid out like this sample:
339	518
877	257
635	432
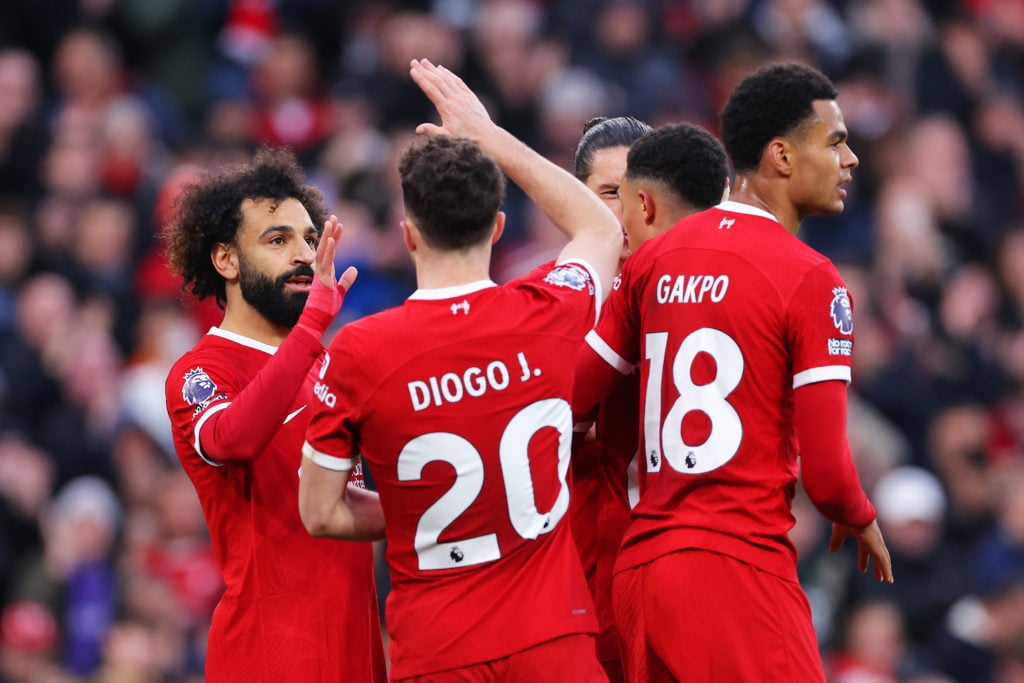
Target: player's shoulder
572	274
374	344
369	330
202	351
221	355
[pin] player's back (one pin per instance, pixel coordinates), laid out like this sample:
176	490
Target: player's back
734	313
462	411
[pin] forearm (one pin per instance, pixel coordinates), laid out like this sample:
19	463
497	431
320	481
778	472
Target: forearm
330	508
567	202
827	469
240	432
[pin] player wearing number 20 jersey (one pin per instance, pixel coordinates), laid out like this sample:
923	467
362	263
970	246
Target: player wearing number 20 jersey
467	432
737	313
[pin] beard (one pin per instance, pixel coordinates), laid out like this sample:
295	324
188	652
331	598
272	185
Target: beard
270	297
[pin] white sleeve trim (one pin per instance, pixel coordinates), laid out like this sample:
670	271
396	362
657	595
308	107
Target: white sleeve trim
822	374
609	355
199	425
598	285
328	462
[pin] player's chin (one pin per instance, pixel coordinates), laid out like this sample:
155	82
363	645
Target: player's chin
831	208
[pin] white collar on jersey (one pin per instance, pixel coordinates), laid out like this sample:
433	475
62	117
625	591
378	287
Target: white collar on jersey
739	207
452	292
244	341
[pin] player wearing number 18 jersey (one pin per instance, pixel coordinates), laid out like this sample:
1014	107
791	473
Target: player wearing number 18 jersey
684	170
743	335
460	402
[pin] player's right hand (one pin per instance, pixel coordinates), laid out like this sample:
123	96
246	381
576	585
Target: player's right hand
462	113
870	544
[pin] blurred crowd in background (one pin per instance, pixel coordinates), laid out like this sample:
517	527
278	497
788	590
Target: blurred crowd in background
107	106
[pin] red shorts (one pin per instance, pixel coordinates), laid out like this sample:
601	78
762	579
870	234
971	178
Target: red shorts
569	658
700	616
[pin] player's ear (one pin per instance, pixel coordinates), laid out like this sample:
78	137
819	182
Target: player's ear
780	153
410	235
649	206
499	227
225	259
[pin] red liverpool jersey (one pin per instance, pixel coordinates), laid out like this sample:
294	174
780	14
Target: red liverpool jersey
295	608
460	401
726	314
604	487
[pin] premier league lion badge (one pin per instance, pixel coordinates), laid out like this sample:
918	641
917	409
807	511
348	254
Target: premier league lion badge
198	388
571	276
842	313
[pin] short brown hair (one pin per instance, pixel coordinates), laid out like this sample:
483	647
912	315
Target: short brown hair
452	191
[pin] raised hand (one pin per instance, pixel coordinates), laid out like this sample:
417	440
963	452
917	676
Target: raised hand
462	113
326	294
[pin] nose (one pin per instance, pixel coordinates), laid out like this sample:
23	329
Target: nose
306	253
851	160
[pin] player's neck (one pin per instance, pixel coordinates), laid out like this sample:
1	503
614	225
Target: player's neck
439	269
768	196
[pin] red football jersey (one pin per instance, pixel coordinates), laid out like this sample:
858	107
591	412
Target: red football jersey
603	482
726	314
295	608
604	488
460	402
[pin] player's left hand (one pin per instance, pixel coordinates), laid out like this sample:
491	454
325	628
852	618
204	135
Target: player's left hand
870	544
326	294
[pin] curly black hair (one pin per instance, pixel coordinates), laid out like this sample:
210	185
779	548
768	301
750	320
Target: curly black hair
775	100
209	211
685	158
452	191
602	132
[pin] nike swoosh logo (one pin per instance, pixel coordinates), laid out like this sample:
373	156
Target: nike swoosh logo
291	415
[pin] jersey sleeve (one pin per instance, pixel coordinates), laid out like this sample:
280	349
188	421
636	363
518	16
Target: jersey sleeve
231	422
827	468
616	337
332	436
574	284
820	328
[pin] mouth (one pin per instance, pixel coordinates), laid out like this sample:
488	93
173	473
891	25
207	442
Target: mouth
842	190
299	283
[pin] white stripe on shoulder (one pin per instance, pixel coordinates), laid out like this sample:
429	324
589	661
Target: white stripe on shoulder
216	408
608	353
598	285
823	373
328	462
